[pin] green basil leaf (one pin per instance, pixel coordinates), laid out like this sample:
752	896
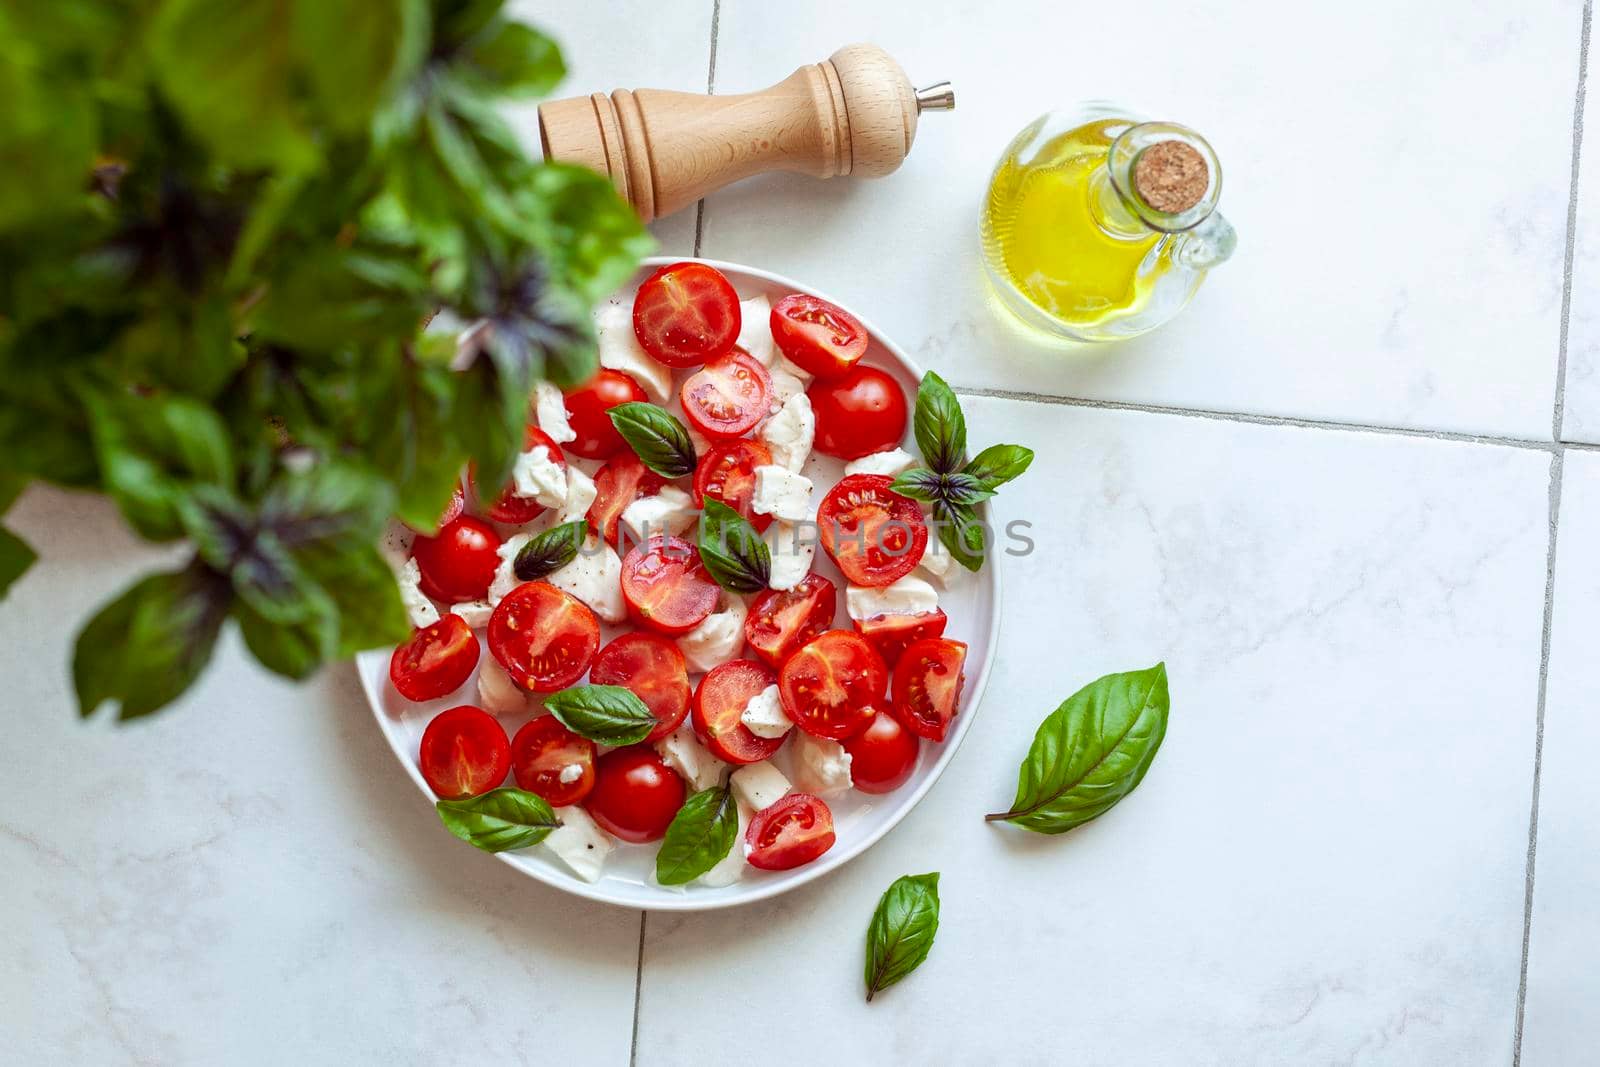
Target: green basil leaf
902	930
658	439
962	532
608	714
920	483
293	649
999	464
499	820
733	552
15	558
596	238
941	429
363	590
516	60
331	501
700	837
356	50
964	489
1091	752
550	551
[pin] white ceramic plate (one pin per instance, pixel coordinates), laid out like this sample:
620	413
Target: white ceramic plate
973	607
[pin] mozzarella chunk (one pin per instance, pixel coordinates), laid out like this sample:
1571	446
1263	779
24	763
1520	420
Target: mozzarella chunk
505	575
701	443
571	773
937	561
890	463
909	596
790	432
550	412
475	613
763	714
759	785
755	329
792	548
821	767
784	387
620	350
695	764
595	577
537	476
498	693
717	639
580	843
395	546
670	511
781	492
418	606
731	867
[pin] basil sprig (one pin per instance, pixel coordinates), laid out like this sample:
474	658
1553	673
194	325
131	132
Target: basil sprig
733	552
499	820
902	930
659	440
700	837
608	714
550	551
1091	752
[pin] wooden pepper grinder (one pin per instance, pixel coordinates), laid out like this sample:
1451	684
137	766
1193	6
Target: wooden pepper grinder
855	113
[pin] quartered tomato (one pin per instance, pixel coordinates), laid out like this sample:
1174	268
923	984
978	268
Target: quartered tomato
619	483
728	396
459	562
875	535
464	752
437	660
817	336
544	637
890	634
927	686
781	620
686	314
727	472
653	668
791	833
635	794
587	408
516	510
832	687
551	760
860	412
718	704
666	586
883	755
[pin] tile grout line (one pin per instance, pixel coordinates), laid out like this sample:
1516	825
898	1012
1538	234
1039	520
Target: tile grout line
638	988
1572	222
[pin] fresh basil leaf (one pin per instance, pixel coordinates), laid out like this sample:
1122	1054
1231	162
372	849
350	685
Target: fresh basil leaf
1091	752
920	483
733	552
902	930
331	501
353	573
15	558
550	551
516	60
700	837
293	649
608	714
999	464
658	439
962	532
941	429
596	237
499	820
963	489
354	51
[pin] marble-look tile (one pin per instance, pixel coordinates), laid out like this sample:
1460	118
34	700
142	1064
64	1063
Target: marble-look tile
1560	1025
1325	863
1581	415
1399	183
249	878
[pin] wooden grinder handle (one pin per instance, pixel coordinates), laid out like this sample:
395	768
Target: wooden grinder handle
855	113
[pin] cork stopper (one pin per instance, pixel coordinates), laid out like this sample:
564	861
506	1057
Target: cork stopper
1171	177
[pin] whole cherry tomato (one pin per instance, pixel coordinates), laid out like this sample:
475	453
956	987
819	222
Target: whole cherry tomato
860	412
635	794
883	755
587	411
459	563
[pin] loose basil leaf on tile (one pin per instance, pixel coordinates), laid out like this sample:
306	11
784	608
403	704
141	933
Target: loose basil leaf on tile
733	552
499	820
608	714
550	551
700	837
999	464
1091	752
659	440
941	429
902	930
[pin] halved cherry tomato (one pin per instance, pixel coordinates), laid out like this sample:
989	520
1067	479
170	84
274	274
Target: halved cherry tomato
619	483
861	412
654	669
551	760
883	755
544	637
459	563
686	314
927	686
666	586
516	510
728	396
437	660
718	704
875	535
791	833
831	688
635	794
727	472
587	408
890	634
781	620
464	752
817	336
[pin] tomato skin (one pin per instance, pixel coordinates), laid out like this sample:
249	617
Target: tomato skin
873	534
718	704
780	621
666	586
587	408
619	483
453	507
817	336
727	397
883	755
515	510
544	637
727	472
437	660
464	752
861	412
654	670
890	634
635	794
686	314
927	686
542	750
832	687
790	833
459	563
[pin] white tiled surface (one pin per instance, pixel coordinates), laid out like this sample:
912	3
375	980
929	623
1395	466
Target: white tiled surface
1581	416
